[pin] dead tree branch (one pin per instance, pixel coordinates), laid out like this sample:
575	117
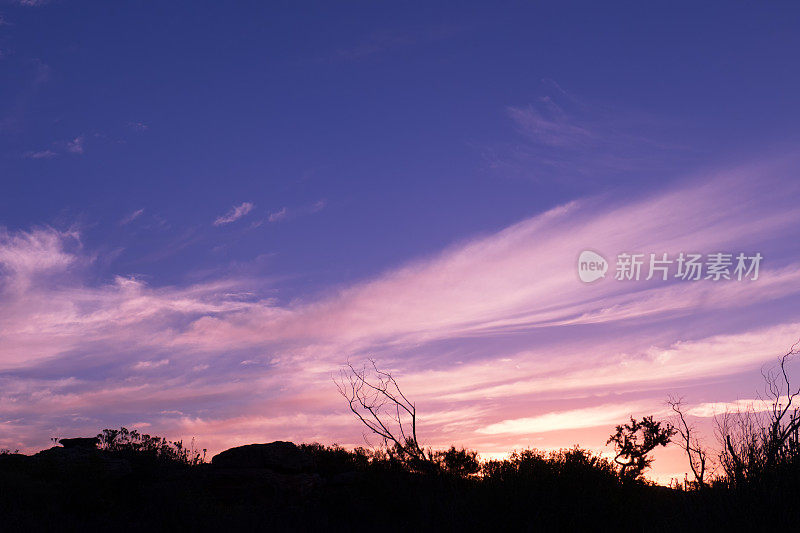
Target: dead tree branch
695	451
376	400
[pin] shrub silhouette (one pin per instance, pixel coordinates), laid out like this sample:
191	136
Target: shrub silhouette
461	463
569	489
335	459
531	465
132	443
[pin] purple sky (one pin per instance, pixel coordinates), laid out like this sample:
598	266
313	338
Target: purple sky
208	208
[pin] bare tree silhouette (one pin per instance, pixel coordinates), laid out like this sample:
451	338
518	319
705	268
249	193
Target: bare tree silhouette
695	451
755	442
376	400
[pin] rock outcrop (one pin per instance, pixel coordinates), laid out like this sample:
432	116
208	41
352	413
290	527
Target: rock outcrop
83	459
80	442
278	456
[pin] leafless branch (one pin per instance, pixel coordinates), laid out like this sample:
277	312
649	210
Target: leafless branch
376	400
754	442
695	451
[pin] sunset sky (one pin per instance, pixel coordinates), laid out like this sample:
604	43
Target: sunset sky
208	207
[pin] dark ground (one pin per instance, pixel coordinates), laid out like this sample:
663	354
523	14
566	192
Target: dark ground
280	487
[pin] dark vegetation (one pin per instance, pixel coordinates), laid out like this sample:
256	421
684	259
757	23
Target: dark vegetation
129	481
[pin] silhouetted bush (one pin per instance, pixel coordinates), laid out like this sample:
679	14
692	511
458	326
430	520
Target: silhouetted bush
462	463
532	490
336	459
123	442
535	465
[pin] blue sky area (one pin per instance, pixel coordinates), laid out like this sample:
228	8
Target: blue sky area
382	129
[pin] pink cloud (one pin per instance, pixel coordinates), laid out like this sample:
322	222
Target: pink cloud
76	145
495	337
278	215
41	154
234	214
130	217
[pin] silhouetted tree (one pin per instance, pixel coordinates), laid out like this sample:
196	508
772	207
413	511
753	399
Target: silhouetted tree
696	453
757	442
633	442
377	401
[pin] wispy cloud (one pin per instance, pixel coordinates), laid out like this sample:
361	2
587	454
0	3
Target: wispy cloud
548	124
566	138
601	415
714	409
495	337
149	365
280	214
28	255
41	154
285	213
130	217
76	145
234	214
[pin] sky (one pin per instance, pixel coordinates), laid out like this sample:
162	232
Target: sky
208	208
